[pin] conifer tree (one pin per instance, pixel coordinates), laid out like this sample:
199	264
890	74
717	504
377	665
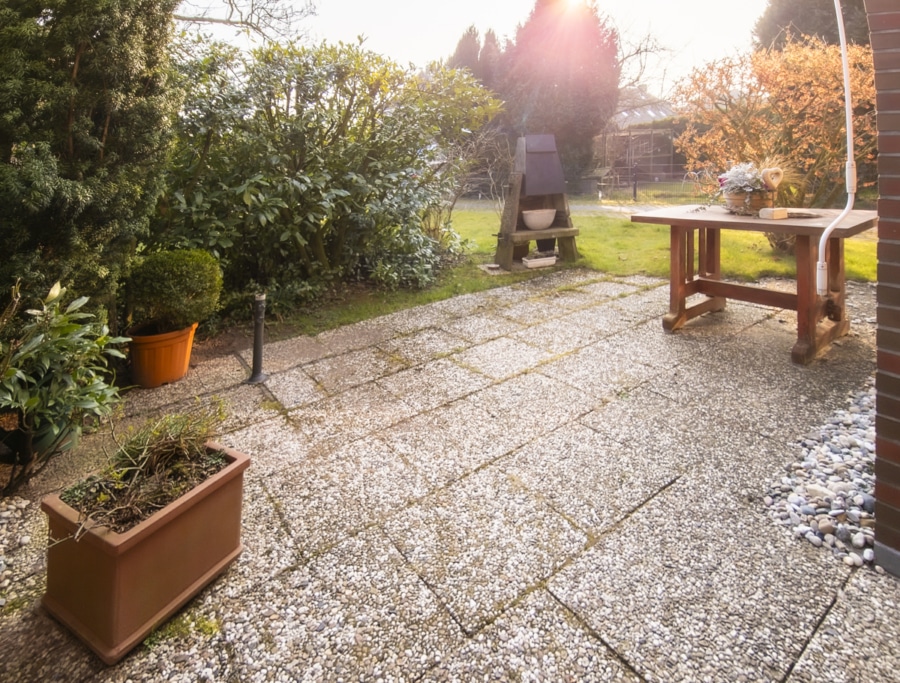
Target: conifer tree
85	108
810	18
561	76
466	54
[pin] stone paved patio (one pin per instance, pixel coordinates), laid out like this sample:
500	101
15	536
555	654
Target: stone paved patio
531	483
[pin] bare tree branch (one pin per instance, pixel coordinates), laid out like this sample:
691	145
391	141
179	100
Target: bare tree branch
634	57
268	19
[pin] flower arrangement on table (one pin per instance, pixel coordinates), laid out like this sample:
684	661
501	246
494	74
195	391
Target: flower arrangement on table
750	186
748	178
747	188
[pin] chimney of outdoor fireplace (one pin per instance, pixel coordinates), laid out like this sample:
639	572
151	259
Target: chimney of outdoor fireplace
538	161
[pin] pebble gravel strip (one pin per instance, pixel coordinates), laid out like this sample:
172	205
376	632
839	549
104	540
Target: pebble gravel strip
827	497
14	535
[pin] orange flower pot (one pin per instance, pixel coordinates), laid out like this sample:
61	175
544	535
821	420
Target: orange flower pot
158	359
111	589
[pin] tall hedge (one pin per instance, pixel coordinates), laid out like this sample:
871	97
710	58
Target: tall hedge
300	165
85	112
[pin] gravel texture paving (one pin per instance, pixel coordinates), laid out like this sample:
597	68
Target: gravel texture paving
533	483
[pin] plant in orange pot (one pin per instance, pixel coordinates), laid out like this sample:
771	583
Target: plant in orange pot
128	547
169	294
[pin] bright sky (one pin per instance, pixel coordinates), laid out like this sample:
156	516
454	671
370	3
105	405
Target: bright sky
421	31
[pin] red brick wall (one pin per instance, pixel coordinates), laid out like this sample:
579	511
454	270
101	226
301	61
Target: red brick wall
884	27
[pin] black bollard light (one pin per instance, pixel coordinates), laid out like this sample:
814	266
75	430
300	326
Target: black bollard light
259	318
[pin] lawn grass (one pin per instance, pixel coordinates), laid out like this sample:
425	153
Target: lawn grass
613	244
608	243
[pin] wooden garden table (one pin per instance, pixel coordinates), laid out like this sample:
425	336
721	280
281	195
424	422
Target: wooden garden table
697	269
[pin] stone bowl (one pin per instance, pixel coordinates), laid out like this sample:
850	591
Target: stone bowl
539	219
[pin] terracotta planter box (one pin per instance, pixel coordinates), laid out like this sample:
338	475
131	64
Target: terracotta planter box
113	589
158	359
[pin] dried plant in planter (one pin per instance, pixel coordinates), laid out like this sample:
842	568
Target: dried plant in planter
157	464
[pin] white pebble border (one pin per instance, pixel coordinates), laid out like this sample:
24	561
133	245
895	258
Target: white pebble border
827	497
13	536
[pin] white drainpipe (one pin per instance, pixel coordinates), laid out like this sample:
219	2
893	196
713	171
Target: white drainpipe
850	173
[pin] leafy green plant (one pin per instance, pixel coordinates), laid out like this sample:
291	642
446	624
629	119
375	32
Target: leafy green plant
53	373
170	290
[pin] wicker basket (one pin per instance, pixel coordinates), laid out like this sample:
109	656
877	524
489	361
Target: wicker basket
749	203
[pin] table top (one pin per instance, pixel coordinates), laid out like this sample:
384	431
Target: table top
702	216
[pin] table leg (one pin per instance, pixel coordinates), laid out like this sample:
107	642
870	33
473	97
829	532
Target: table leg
835	307
711	263
813	336
678	273
805	348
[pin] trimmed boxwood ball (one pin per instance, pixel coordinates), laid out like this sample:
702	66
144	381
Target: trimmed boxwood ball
171	290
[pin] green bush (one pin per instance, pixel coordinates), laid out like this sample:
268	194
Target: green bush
170	290
316	163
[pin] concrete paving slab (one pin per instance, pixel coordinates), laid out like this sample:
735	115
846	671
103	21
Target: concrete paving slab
560	280
289	353
657	348
313	511
357	612
462	306
537	639
433	384
502	358
448	444
335	374
222	372
535	509
244	404
570	298
356	336
371	477
700	604
29	643
268	550
606	289
533	310
573	331
423	346
481	327
532	404
294	388
650	303
140	401
482	542
350	415
842	650
415	319
273	444
599	371
591	479
501	297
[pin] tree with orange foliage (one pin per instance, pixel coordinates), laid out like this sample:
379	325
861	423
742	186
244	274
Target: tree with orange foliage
787	105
